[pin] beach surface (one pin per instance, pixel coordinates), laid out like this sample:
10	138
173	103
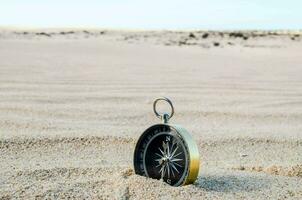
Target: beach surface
74	102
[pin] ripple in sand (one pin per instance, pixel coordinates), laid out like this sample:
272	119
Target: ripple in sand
291	171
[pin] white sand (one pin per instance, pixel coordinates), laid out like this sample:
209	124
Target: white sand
72	106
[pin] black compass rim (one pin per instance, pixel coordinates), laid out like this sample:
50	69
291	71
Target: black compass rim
187	178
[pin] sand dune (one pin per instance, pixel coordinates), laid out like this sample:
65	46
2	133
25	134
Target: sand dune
74	102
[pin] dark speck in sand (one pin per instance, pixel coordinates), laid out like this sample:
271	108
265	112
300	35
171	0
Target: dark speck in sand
238	35
205	35
191	35
216	44
43	34
65	33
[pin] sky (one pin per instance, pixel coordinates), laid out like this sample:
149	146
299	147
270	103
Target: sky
155	14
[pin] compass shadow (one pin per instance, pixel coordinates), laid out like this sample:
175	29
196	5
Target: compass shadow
232	183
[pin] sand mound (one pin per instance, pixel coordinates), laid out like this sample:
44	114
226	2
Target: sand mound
96	183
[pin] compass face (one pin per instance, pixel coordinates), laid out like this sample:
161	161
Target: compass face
161	153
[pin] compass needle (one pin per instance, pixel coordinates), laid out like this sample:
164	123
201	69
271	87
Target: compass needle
161	169
165	147
168	169
163	172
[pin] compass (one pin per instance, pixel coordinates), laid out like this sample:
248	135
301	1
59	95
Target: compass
167	151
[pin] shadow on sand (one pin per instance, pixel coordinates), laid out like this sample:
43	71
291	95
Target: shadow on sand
232	183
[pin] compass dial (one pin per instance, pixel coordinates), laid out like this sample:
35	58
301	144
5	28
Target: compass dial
162	153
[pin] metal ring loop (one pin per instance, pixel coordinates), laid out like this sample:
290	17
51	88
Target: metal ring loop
160	116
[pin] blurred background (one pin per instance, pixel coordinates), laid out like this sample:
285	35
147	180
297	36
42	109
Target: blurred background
156	14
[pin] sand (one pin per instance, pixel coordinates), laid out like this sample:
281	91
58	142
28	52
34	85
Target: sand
74	102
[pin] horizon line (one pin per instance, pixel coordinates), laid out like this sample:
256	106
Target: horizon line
142	29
